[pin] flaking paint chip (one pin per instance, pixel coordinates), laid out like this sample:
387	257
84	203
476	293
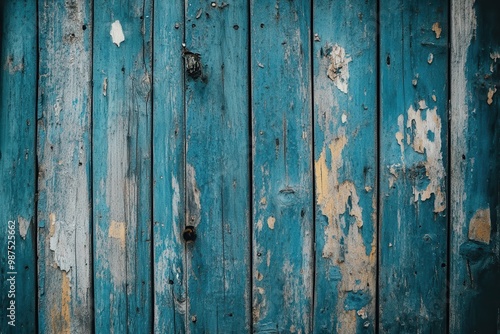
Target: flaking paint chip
116	33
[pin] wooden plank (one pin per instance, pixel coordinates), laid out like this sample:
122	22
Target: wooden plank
168	168
217	167
475	162
345	111
64	159
18	71
413	165
282	166
122	136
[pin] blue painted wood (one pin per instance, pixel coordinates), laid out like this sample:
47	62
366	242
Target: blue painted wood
475	162
282	166
217	167
18	59
413	165
168	168
345	120
122	181
64	158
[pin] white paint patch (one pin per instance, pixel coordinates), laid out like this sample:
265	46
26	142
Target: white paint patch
338	70
270	222
344	118
62	243
105	86
259	225
491	92
176	199
494	56
430	58
24	226
400	137
116	33
117	231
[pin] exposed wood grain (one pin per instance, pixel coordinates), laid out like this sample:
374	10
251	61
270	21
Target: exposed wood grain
122	135
282	166
475	164
168	168
18	60
413	165
217	167
64	205
345	96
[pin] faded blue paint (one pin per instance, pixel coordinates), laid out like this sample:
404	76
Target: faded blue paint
168	169
345	110
18	63
122	181
217	168
282	166
412	268
475	258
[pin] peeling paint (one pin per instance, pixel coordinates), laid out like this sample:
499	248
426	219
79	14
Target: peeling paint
431	147
24	226
430	58
436	27
268	258
105	86
338	70
116	33
259	225
193	197
117	231
270	222
480	226
494	56
60	314
491	92
62	243
344	118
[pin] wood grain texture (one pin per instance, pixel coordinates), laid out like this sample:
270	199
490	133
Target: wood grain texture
282	166
475	163
18	59
413	165
345	102
64	158
217	167
122	135
168	168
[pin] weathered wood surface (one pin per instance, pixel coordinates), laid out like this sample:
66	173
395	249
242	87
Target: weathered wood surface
413	165
64	167
475	167
217	167
282	166
18	59
345	120
122	132
168	168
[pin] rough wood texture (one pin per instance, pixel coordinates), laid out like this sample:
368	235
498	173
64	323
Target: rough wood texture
168	168
122	166
217	167
475	138
345	96
64	206
282	166
18	60
413	165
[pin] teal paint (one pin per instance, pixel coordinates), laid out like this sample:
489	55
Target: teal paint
217	167
64	197
122	180
168	169
413	169
345	109
18	61
282	166
475	161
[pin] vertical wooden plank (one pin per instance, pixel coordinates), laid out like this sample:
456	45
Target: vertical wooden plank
475	162
345	109
282	166
122	135
64	157
18	59
413	164
217	166
168	168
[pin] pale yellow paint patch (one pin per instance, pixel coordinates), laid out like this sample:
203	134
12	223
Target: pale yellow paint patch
270	222
259	276
52	224
117	231
60	314
436	27
263	201
491	93
480	226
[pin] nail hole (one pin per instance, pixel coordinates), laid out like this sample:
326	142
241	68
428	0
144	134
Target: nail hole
189	234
